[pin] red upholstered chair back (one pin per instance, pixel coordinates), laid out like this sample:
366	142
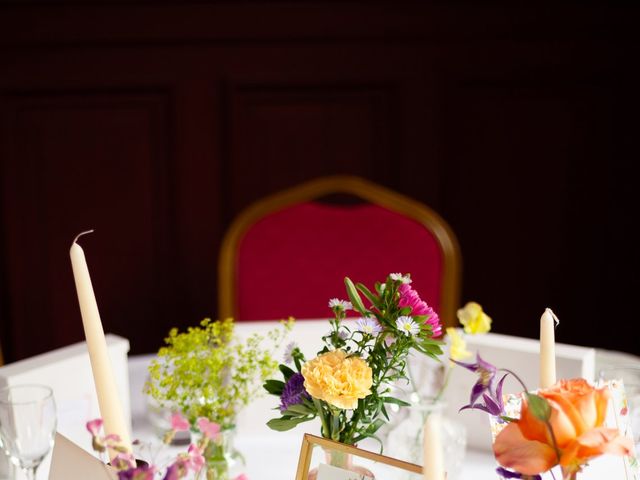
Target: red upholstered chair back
287	255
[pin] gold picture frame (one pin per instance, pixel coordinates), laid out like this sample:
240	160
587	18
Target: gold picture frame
310	441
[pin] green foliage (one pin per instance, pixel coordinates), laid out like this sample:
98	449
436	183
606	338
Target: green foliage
207	372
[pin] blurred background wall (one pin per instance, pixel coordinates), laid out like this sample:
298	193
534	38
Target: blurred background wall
155	123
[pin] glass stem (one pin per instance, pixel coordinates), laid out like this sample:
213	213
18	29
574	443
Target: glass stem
30	472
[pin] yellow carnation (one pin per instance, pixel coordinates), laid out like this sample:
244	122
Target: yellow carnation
458	350
473	319
337	379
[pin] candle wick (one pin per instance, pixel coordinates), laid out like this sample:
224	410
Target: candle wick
553	315
75	240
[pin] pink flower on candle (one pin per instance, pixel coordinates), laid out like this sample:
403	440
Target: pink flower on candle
94	426
410	298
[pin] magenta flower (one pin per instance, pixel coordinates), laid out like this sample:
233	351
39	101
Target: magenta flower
209	429
410	298
94	426
485	387
179	423
294	392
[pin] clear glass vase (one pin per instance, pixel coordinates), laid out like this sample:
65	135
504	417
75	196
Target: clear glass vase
223	460
342	460
405	440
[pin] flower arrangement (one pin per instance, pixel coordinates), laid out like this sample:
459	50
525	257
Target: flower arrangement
208	373
350	381
563	425
191	461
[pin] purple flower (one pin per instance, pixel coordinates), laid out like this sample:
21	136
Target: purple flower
485	387
145	472
504	473
173	473
294	392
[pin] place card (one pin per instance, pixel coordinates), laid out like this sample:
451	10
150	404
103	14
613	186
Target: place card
70	462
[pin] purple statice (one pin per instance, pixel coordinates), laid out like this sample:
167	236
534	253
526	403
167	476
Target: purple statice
294	392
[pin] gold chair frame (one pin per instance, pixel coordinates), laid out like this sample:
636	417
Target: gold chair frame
355	186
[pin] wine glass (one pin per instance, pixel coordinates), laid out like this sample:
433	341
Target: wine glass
27	425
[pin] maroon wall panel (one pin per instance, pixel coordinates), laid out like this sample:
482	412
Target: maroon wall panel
76	162
156	123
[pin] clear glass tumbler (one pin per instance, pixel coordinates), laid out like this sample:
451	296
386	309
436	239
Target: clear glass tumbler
27	425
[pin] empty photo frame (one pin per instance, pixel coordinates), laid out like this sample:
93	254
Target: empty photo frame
353	463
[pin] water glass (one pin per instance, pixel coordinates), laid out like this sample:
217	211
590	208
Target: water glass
630	376
27	425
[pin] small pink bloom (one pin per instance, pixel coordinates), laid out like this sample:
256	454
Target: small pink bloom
195	460
94	426
242	476
112	438
179	423
123	461
410	298
211	430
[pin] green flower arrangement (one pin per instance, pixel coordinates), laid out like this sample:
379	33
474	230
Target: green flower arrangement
206	372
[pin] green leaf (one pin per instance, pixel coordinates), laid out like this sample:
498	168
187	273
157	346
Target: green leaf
354	296
539	406
274	387
508	419
367	293
299	409
286	423
286	371
396	401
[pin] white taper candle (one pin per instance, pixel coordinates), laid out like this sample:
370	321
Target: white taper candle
106	388
547	349
433	458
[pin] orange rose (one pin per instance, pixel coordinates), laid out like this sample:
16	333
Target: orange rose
578	412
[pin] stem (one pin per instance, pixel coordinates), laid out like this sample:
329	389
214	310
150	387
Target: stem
30	472
506	370
447	376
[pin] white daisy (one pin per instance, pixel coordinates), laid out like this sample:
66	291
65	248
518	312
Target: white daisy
288	352
398	277
340	304
407	326
369	326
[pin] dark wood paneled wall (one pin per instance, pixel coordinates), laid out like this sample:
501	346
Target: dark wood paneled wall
156	123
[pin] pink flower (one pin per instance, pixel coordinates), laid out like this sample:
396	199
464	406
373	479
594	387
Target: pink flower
242	476
123	461
211	430
195	460
179	423
94	426
410	298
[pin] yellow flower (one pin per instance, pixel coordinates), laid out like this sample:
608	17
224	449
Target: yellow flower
458	350
337	379
473	319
